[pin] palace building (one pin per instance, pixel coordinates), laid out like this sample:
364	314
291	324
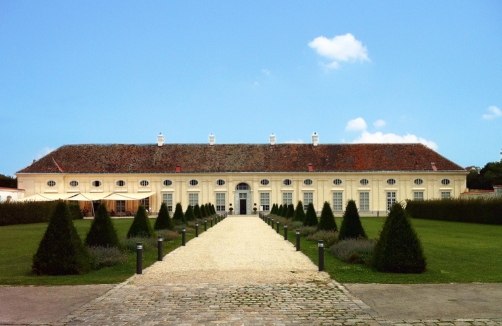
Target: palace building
242	176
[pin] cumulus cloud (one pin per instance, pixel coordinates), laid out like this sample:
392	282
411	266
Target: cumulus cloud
340	48
378	137
494	113
379	123
356	124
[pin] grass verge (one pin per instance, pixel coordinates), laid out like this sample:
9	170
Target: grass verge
456	253
20	242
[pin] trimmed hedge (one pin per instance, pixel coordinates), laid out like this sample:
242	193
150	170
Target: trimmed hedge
472	210
32	212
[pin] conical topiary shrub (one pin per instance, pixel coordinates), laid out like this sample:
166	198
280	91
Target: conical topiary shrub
189	215
399	249
196	211
203	211
299	212
284	210
279	211
163	221
351	225
102	232
311	216
213	210
208	210
141	226
291	211
327	222
61	250
178	214
272	209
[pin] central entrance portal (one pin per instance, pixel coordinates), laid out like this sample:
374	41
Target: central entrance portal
243	199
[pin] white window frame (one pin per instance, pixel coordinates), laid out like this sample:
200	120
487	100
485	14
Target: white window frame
364	201
220	202
308	197
120	206
193	199
338	201
391	198
145	202
445	194
265	201
287	198
418	195
168	200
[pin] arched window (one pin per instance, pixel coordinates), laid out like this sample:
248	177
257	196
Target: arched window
242	186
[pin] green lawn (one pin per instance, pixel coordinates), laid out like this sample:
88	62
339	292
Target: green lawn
455	252
18	244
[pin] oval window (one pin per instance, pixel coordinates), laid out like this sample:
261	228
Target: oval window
168	183
220	182
51	183
120	183
193	182
144	183
74	183
364	182
337	182
391	181
264	182
418	181
96	183
445	182
308	182
287	182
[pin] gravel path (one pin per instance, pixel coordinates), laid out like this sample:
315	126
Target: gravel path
239	250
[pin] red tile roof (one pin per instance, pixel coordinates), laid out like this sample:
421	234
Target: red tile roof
201	158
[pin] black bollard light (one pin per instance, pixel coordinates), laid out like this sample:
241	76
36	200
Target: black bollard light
205	225
211	222
297	240
285	232
183	236
272	222
320	244
278	224
139	258
159	248
268	220
196	230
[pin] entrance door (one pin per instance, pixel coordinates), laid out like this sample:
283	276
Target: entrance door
242	207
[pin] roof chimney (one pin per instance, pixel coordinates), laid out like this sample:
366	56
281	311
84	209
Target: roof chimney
315	139
160	140
178	168
211	139
434	168
272	139
311	167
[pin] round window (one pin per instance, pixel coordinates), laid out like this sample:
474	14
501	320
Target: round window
337	182
120	183
220	182
193	182
418	181
264	182
308	182
144	183
287	182
168	183
445	182
364	182
51	183
96	183
74	183
391	181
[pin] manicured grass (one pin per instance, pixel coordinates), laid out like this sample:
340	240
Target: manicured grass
456	253
18	244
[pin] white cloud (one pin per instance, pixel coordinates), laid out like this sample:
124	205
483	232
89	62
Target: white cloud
340	48
356	124
378	137
44	151
299	141
256	83
494	113
379	123
265	71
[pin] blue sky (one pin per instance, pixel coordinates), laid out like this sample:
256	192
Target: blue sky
79	72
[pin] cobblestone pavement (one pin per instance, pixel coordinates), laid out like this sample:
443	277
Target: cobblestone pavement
293	302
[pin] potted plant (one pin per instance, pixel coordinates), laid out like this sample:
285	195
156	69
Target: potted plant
230	209
255	209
